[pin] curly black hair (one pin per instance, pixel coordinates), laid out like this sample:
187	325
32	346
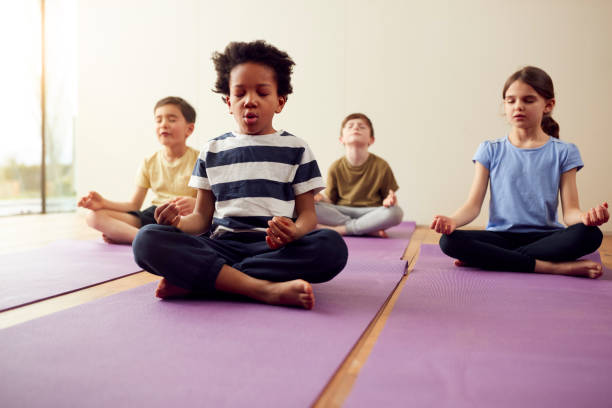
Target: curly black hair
260	52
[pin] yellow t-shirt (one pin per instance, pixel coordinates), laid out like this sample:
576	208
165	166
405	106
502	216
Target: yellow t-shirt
167	179
360	186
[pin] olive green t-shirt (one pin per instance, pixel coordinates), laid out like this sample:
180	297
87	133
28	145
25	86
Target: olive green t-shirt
167	179
360	186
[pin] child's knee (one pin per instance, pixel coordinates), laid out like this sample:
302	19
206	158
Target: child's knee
94	219
590	235
448	244
396	214
145	242
332	251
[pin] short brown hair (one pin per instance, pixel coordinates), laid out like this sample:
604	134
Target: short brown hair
358	116
186	109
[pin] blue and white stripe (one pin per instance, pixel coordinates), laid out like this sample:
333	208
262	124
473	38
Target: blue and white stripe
255	178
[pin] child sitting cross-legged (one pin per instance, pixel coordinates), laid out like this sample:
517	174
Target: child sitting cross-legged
166	173
360	195
528	171
251	232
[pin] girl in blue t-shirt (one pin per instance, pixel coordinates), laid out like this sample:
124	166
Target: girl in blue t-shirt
528	170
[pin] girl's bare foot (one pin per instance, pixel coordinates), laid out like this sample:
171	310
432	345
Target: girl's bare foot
292	293
459	263
583	268
166	290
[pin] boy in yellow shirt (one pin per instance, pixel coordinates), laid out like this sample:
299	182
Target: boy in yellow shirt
166	173
360	195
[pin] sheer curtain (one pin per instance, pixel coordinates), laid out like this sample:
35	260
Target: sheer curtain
21	113
60	109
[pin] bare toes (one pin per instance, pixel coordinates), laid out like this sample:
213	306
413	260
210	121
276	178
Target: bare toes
596	272
166	290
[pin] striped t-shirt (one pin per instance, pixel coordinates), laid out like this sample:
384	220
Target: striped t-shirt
255	178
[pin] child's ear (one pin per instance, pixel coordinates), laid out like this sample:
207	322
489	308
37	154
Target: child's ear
190	127
550	104
371	141
282	100
229	104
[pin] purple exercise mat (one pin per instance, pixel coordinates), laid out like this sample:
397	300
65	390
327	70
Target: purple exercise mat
60	267
390	249
132	350
463	337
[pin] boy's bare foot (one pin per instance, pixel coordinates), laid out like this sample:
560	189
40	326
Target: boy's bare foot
583	268
378	234
166	290
340	229
292	293
108	240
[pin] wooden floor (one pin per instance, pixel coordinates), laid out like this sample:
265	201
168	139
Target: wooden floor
27	232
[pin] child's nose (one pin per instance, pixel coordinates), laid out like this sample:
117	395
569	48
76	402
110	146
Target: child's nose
250	99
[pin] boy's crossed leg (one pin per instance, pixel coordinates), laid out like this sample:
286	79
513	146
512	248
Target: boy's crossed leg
192	264
296	292
347	220
117	227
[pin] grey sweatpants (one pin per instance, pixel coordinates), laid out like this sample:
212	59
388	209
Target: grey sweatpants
359	220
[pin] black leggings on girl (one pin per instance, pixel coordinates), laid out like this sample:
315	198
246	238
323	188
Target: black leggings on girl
518	251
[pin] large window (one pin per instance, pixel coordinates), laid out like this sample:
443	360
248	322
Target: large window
38	82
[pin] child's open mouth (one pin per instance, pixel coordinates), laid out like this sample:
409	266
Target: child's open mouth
250	118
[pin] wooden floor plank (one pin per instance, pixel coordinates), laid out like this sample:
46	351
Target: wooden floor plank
39	309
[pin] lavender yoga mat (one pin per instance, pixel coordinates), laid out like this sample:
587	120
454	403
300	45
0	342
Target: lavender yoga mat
132	350
382	249
462	337
60	267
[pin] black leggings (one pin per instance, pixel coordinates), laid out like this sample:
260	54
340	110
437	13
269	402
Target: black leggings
518	251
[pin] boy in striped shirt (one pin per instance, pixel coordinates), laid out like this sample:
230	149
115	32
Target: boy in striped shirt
255	199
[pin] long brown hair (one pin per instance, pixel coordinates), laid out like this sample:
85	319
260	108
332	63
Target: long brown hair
541	82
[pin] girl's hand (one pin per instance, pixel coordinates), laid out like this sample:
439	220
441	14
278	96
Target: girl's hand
185	205
390	200
281	231
596	216
92	201
443	224
167	214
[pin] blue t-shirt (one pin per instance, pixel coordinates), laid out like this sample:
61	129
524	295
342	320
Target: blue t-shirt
525	183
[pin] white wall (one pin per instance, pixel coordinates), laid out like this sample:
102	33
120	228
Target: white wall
429	75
